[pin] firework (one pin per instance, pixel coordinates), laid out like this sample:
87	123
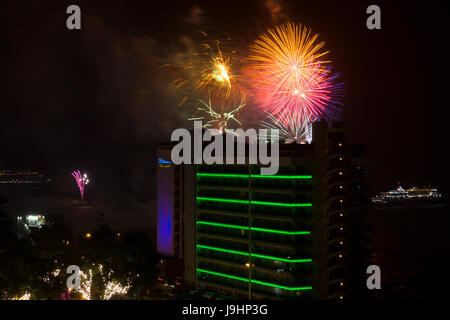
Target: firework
115	288
297	130
111	287
207	71
82	181
215	73
86	284
215	90
219	117
294	85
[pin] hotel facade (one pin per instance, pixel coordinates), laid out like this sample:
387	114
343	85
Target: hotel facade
293	235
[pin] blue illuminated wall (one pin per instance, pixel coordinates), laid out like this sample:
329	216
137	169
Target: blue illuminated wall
165	202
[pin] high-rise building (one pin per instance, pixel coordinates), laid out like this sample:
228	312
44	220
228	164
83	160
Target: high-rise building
175	226
287	236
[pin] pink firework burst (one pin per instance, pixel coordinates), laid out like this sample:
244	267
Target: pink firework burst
81	180
308	97
292	83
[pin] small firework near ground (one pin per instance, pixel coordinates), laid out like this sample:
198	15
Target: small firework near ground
81	180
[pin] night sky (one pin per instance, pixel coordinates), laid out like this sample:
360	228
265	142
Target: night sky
97	99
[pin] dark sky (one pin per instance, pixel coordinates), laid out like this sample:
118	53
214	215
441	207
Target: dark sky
97	99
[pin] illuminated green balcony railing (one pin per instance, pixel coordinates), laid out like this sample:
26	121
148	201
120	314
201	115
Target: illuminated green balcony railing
263	203
232	226
258	176
253	281
243	253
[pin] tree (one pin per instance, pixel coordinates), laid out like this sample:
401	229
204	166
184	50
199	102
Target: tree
15	268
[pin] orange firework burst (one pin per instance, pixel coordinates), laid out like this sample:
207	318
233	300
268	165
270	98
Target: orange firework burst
214	89
216	71
209	71
285	55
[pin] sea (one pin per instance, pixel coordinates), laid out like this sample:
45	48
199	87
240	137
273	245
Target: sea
411	245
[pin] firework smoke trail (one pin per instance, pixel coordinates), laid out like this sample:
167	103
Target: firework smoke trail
293	84
82	181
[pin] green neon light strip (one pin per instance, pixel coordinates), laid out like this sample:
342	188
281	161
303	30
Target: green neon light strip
253	228
264	203
242	253
253	281
245	176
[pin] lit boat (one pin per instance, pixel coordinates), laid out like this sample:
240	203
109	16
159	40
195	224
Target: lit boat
411	195
25	177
